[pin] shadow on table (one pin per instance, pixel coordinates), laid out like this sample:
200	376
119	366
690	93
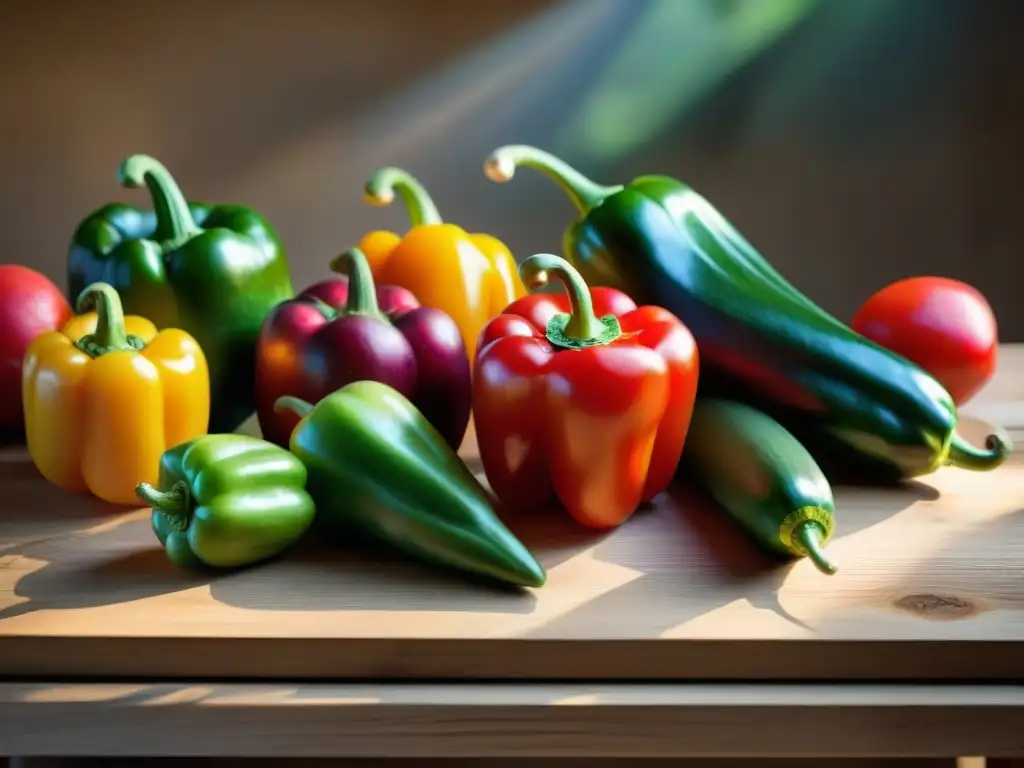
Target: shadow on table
115	565
713	562
365	575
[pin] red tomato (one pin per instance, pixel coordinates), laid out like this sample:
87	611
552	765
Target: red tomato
945	326
29	305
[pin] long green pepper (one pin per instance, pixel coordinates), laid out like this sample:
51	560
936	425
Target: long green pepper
378	467
762	342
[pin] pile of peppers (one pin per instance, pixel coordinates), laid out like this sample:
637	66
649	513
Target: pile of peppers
581	375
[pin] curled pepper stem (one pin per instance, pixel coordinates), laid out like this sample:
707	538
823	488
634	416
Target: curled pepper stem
808	536
998	447
290	404
381	188
175	503
109	335
501	166
174	222
581	327
362	293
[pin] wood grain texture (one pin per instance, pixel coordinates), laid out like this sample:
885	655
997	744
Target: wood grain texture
510	720
930	587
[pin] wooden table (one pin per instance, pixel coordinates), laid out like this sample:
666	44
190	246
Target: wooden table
669	637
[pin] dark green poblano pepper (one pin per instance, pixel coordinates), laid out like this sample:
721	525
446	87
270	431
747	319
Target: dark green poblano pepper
761	341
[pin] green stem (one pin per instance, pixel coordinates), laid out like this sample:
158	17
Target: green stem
174	222
581	327
325	309
585	193
962	454
109	335
808	537
175	503
381	188
296	405
362	293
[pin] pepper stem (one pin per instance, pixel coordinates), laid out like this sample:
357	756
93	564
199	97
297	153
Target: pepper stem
381	188
362	293
962	454
175	503
501	166
295	405
109	335
581	327
174	222
808	537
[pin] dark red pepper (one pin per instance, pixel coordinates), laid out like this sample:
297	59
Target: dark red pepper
583	398
344	330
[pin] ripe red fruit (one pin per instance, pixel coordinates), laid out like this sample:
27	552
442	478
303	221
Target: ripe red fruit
945	326
29	305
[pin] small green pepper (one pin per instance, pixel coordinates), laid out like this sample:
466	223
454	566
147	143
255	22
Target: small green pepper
228	501
377	466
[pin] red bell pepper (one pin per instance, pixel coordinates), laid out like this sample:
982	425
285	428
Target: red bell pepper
340	331
582	397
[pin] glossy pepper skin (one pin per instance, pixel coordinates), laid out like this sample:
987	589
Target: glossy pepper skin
763	477
761	341
377	467
583	398
470	277
227	501
106	395
340	331
213	271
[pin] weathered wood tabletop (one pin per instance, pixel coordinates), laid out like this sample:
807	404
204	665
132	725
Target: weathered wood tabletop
930	588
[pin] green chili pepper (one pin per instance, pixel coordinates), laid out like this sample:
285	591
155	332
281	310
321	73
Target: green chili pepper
763	477
213	271
378	467
761	341
227	501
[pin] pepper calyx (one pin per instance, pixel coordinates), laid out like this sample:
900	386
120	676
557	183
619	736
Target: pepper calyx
556	332
174	505
110	335
580	327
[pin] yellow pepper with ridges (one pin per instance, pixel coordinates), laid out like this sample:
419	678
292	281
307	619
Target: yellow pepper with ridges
106	395
471	277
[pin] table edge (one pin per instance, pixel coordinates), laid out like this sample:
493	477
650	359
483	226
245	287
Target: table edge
504	720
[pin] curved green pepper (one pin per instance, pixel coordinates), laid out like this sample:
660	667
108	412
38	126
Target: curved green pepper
227	501
762	342
377	466
213	271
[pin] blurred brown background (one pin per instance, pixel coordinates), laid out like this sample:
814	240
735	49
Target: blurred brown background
853	142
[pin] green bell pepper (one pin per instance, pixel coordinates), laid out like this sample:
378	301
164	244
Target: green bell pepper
213	271
228	500
377	467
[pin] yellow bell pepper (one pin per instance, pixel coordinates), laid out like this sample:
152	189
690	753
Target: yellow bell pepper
471	277
106	395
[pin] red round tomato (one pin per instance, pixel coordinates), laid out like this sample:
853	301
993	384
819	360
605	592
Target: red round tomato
945	326
29	305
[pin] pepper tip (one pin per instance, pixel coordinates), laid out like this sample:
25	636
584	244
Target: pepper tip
378	199
499	168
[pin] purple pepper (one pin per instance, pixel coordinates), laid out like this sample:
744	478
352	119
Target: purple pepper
343	330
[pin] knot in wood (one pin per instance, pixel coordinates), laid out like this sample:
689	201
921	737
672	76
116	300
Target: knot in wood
940	607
